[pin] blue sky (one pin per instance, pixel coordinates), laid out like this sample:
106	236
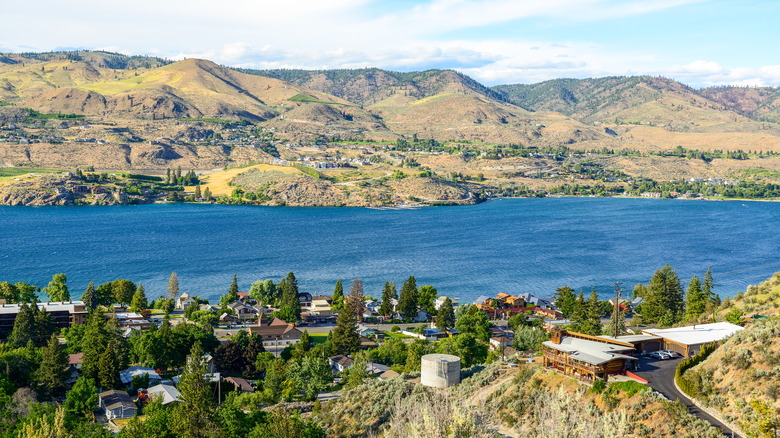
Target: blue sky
699	42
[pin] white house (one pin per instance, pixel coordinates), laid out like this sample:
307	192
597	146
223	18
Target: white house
168	393
126	375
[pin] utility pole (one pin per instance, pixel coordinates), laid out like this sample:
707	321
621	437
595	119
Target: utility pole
617	308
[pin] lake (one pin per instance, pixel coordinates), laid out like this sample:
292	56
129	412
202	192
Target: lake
511	245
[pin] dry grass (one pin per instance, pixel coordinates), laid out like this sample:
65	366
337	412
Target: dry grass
219	182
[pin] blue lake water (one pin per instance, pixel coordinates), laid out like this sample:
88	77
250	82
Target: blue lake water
518	245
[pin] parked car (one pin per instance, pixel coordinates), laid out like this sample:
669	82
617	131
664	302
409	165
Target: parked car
660	355
672	354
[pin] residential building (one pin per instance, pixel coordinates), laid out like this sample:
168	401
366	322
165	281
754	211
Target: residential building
183	301
168	393
586	357
243	311
340	363
276	332
64	314
117	404
126	375
242	385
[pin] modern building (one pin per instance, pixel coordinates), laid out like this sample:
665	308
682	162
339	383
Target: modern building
64	314
586	357
689	340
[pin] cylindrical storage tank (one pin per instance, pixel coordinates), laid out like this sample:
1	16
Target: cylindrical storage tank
440	370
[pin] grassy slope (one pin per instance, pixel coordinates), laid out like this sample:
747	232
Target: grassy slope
219	182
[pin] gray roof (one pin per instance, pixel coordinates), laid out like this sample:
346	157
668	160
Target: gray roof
592	352
169	393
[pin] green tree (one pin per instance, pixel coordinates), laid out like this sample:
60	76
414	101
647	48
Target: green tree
426	299
83	397
586	317
345	338
565	300
529	338
31	325
617	320
290	308
312	375
476	322
104	295
139	303
198	194
445	318
355	299
232	293
123	291
265	292
407	303
696	299
26	293
50	375
173	286
466	347
663	301
193	417
108	368
708	287
57	288
357	373
338	296
388	294
89	298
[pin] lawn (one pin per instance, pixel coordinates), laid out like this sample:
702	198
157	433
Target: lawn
318	338
397	335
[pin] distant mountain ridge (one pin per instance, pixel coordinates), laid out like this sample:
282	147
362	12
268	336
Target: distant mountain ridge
636	112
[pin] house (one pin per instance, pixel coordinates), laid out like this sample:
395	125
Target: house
340	363
305	299
76	360
168	393
227	318
242	385
132	320
208	307
586	357
243	311
319	317
688	340
320	302
183	301
126	375
439	301
117	404
276	332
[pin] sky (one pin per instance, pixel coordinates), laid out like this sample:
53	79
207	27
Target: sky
698	42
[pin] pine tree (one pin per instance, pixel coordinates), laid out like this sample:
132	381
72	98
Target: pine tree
708	287
24	325
207	194
194	415
663	301
108	369
345	338
168	176
57	288
173	285
139	302
50	375
338	296
696	299
565	300
355	299
89	298
305	341
407	303
290	308
592	317
198	194
445	318
232	293
388	294
617	320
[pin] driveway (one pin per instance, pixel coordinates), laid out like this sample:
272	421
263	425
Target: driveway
660	376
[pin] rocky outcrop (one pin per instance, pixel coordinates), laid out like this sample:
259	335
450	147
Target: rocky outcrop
305	191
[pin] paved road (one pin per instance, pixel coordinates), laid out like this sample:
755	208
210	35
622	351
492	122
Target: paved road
660	376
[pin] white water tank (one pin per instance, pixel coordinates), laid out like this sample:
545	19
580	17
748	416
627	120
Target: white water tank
440	370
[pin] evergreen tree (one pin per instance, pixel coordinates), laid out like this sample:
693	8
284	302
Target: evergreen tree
31	325
708	287
407	303
290	308
617	320
355	299
173	284
663	301
168	175
578	314
592	321
232	293
139	302
57	288
50	375
565	300
89	298
388	294
207	194
445	318
696	299
639	291
338	296
193	417
108	368
345	338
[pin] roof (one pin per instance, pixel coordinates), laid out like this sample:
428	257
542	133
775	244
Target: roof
113	399
376	368
592	352
276	330
697	334
240	383
126	375
74	359
389	374
69	306
631	338
342	360
169	393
